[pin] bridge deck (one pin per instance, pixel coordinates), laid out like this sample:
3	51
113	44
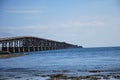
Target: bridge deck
22	37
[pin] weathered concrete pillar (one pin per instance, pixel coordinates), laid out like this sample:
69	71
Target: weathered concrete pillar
0	46
33	48
4	46
7	46
41	48
13	46
28	49
23	49
38	48
18	41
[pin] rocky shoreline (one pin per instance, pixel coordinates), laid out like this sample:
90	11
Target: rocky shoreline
89	77
26	74
59	77
10	55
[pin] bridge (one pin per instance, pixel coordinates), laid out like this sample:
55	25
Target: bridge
29	44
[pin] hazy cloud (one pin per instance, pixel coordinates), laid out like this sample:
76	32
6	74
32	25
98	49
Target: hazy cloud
27	11
73	30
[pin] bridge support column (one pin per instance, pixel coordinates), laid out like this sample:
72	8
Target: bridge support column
18	45
23	49
28	49
33	48
38	48
41	48
4	46
8	47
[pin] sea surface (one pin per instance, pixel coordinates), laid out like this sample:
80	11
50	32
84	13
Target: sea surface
70	62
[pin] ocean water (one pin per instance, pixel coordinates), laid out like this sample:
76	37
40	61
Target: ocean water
74	61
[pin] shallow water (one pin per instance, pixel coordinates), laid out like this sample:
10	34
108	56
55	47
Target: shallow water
71	62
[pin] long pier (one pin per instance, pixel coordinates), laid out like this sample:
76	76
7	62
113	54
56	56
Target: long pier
29	44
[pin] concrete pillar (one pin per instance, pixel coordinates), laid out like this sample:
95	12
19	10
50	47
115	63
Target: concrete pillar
33	48
4	46
13	46
0	46
8	46
18	45
41	48
22	44
28	49
38	48
23	49
45	48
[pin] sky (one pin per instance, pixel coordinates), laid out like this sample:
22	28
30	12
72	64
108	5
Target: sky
90	23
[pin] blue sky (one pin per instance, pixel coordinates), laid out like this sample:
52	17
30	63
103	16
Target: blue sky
90	23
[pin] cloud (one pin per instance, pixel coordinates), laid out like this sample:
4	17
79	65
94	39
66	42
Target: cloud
80	23
84	30
67	27
27	11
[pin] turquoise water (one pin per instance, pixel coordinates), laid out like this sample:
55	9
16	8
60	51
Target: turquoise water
71	60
